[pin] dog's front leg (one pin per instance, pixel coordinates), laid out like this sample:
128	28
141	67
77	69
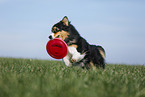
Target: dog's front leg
66	60
76	56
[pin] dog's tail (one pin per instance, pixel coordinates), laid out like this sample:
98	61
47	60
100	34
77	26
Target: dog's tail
102	51
103	55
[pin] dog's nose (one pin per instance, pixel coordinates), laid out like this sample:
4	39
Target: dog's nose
50	37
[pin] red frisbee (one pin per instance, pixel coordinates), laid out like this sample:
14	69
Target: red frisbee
57	48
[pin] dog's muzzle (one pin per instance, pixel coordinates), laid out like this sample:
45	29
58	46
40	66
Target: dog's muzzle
51	36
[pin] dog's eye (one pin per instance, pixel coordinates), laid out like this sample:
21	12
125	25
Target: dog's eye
54	30
57	29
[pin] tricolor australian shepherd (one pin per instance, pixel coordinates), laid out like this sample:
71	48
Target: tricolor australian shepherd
80	52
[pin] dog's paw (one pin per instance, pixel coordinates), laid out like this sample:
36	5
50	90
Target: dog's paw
73	60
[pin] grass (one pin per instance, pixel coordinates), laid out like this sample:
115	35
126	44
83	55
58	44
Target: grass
43	78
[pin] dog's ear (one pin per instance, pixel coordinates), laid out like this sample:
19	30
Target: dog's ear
65	21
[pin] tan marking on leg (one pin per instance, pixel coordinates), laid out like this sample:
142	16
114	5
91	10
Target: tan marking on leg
93	66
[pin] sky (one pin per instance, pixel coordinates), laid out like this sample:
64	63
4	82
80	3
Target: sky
117	25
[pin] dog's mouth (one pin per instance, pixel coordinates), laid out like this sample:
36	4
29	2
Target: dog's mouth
61	34
51	37
58	36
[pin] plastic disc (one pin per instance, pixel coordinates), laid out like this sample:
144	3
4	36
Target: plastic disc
57	48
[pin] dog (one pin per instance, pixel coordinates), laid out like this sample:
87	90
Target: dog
80	52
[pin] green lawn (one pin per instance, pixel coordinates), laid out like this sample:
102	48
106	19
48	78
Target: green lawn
43	78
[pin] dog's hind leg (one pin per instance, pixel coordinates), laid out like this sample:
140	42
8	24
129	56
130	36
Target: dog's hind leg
93	66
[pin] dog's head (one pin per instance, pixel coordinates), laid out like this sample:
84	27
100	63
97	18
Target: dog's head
61	29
